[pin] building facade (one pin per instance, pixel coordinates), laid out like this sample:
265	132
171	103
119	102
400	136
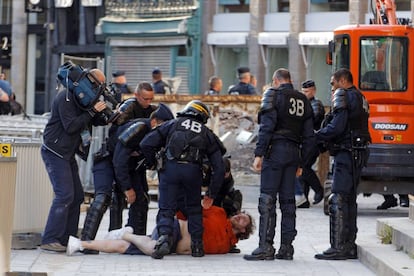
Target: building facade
189	40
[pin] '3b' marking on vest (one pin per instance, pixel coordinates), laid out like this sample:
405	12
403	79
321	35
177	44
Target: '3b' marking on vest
297	107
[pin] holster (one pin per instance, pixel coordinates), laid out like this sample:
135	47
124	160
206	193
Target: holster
101	154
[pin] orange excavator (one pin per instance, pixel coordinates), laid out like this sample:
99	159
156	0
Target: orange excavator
380	56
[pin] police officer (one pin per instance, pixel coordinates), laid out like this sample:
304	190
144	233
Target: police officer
122	162
286	132
215	85
309	179
137	107
187	141
347	136
244	87
160	86
119	85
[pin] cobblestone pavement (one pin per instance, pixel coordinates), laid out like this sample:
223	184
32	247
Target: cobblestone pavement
313	237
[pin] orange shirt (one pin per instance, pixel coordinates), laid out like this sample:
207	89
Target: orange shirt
218	235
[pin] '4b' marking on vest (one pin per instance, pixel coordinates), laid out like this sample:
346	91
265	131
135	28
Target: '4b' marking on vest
194	126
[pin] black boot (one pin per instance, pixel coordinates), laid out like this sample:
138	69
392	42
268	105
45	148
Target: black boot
285	252
390	201
93	219
197	249
117	207
337	219
138	214
162	247
350	246
404	201
267	224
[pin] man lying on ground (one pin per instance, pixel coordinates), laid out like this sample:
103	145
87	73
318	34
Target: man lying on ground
220	235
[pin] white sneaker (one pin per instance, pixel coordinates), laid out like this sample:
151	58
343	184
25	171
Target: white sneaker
300	199
73	246
118	233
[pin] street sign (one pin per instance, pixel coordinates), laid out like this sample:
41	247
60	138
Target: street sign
6	150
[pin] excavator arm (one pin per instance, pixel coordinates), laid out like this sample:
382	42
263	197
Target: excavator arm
385	12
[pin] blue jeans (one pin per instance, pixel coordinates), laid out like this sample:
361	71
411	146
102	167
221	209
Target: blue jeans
64	213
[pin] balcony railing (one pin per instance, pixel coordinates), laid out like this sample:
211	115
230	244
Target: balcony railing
150	8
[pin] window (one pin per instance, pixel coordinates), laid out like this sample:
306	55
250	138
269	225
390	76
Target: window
329	5
340	56
233	6
5	12
377	72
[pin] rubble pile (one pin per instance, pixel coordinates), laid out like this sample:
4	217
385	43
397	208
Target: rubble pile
238	131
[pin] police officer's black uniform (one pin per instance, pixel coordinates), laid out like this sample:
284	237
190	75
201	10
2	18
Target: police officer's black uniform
187	141
285	119
309	177
242	88
107	192
130	109
347	136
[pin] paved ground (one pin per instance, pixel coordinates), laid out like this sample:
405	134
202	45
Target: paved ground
313	237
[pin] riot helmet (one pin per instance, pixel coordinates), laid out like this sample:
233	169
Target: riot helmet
196	109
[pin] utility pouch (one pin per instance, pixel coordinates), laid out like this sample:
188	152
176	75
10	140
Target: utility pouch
161	158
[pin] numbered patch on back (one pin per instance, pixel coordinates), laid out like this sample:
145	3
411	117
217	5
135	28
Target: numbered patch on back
297	107
191	125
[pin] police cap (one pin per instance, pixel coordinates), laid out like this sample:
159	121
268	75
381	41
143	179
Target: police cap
118	74
163	112
242	70
308	83
156	70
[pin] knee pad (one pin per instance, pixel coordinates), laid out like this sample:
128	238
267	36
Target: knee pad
335	202
266	203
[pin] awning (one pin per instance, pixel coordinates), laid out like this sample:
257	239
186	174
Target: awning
273	38
147	41
315	38
227	38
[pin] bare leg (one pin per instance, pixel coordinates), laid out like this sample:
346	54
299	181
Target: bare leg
142	242
107	246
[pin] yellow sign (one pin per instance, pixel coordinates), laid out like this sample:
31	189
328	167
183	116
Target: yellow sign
6	150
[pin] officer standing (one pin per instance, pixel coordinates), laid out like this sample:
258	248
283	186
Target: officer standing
309	179
346	134
244	87
285	134
160	86
215	85
187	141
119	85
